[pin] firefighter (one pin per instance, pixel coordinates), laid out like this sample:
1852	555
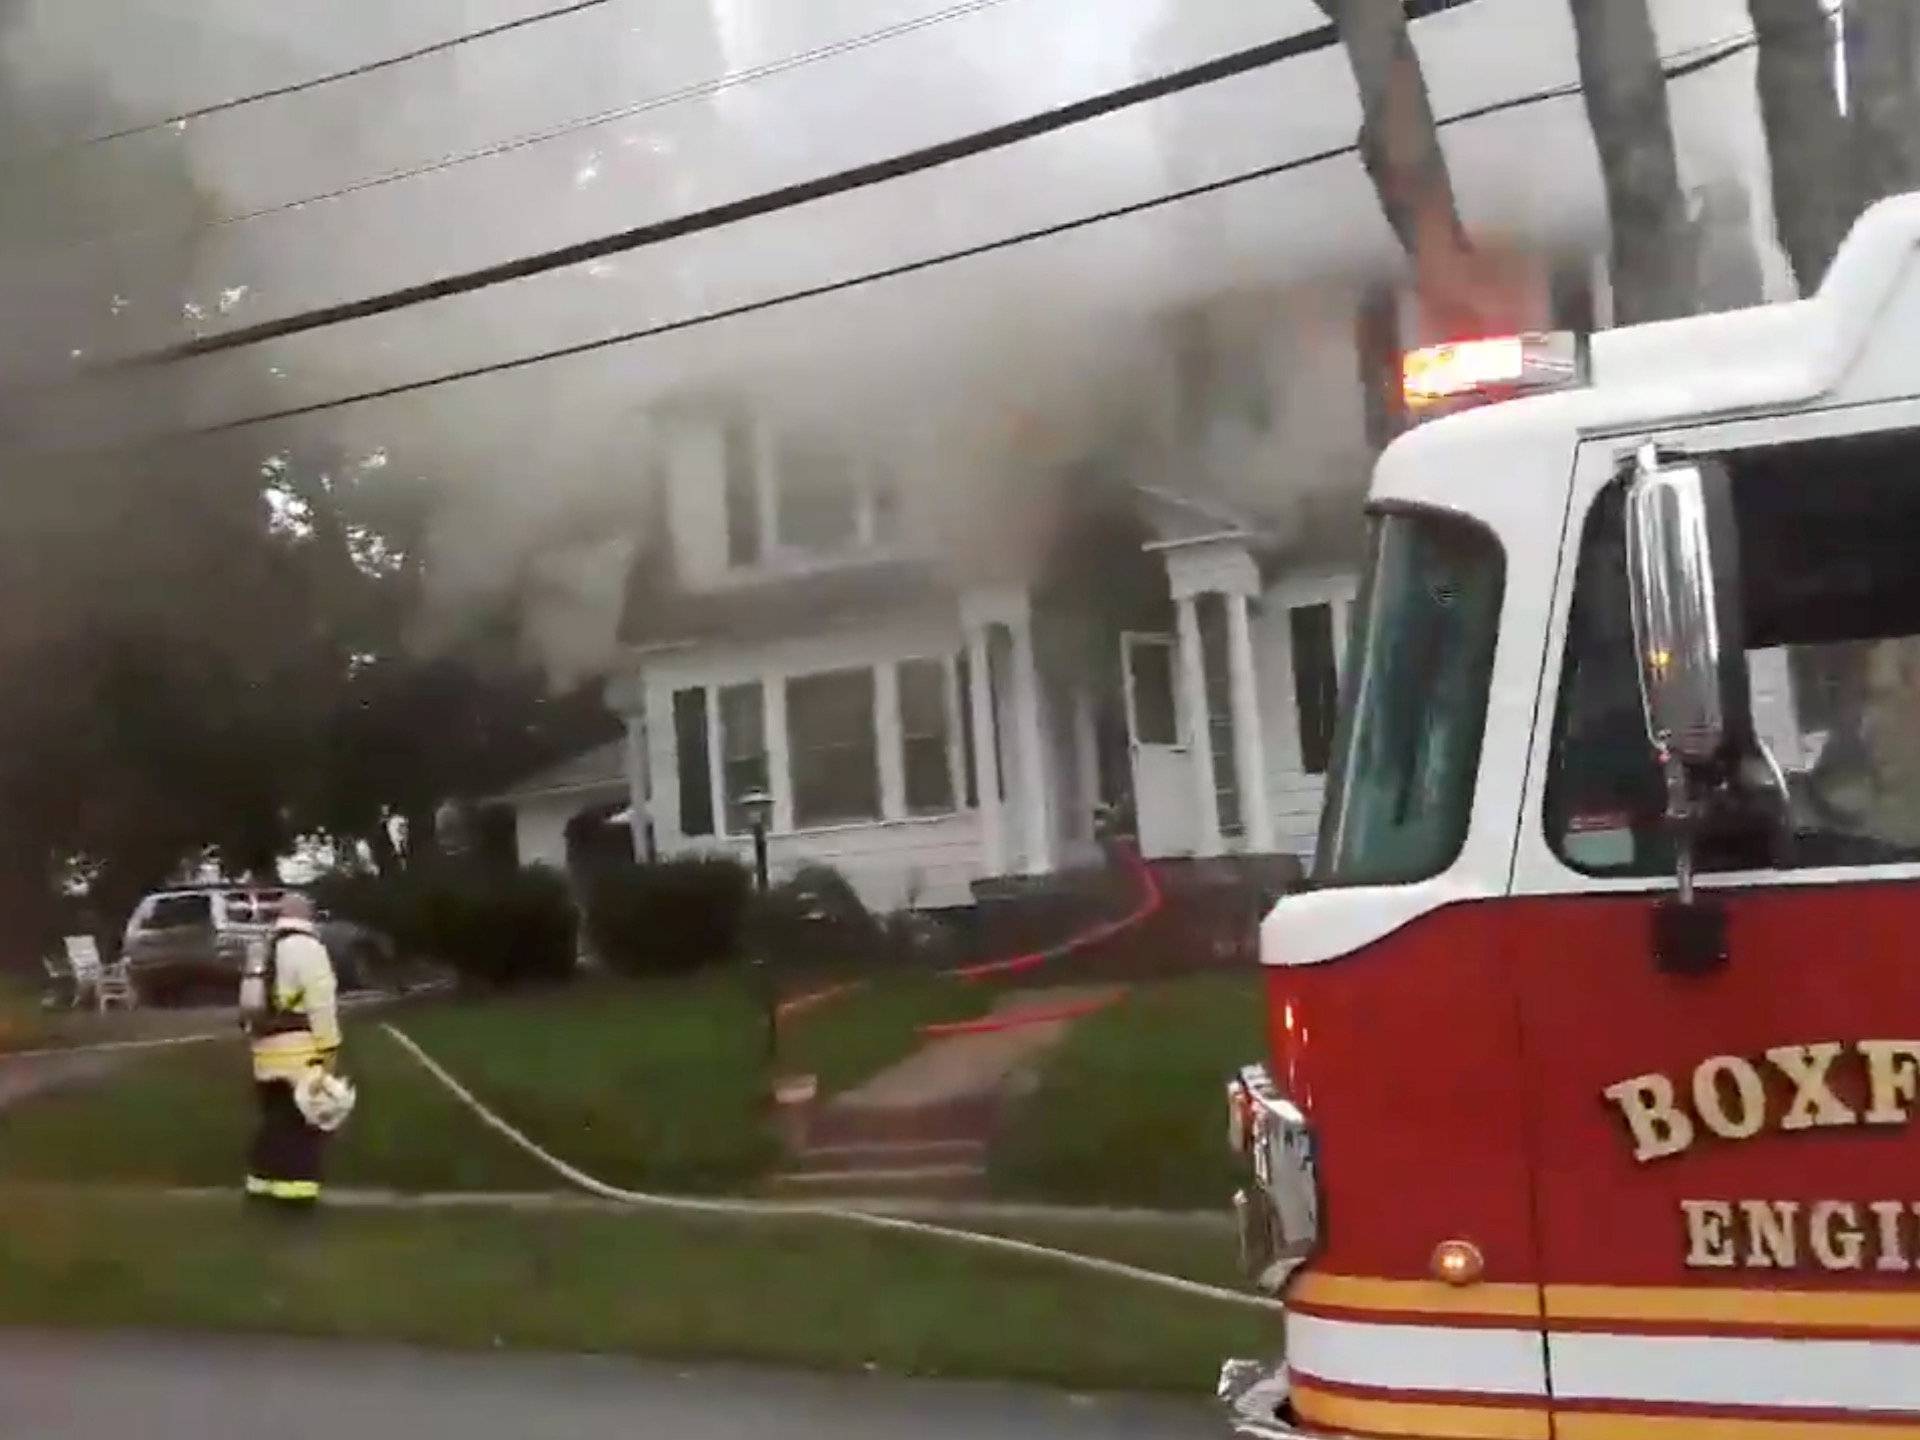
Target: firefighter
287	1004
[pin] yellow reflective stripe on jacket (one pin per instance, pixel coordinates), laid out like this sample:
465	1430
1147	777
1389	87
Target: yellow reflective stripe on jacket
283	1189
287	1055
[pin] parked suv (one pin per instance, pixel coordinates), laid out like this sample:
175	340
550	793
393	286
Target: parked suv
196	937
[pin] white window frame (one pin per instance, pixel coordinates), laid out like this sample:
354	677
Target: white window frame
776	552
889	744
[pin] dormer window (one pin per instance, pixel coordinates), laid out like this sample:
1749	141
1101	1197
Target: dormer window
790	499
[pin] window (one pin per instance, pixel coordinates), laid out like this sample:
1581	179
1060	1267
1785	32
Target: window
690	747
1401	792
819	500
741	483
743	751
832	748
1830	605
1156	716
180	912
238	909
1316	686
925	746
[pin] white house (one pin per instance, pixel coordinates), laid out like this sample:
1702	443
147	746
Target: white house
926	723
1175	659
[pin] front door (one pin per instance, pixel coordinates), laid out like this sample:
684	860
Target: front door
1162	765
1728	1151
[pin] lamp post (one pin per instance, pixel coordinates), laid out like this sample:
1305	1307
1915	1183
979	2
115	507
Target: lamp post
758	806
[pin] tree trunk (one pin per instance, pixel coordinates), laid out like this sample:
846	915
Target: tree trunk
1654	263
1883	53
1806	134
1400	147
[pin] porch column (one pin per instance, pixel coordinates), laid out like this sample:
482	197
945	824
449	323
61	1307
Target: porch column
639	801
1193	690
1254	806
986	746
626	696
1033	759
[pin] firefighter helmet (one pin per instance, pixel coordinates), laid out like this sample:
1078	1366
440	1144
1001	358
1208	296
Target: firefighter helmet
324	1099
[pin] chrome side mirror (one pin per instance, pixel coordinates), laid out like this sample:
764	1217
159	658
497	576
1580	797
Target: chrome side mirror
1678	625
1683	582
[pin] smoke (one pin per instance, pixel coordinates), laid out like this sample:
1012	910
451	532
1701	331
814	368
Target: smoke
978	387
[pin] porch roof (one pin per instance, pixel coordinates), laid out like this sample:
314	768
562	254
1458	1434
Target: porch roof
600	768
1180	519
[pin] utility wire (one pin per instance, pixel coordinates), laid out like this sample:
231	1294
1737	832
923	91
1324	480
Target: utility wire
1692	62
696	91
786	197
278	92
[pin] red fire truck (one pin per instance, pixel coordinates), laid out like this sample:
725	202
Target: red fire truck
1595	1045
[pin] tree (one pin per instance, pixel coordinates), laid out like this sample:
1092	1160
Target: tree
1830	161
1655	271
1883	64
1400	147
1806	133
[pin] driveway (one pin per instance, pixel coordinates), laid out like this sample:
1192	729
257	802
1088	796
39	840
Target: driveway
85	1387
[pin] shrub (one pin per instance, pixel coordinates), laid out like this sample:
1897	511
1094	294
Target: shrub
490	923
667	918
815	920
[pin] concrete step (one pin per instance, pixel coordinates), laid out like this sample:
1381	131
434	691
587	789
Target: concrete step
890	1155
840	1124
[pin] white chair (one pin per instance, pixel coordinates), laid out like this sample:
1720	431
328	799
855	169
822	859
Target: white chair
109	984
63	991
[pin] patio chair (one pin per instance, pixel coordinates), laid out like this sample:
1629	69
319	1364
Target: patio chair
109	984
63	991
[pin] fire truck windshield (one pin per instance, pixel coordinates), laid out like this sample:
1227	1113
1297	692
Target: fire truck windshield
1402	785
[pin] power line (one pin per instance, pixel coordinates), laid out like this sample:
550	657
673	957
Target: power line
786	197
1694	62
715	85
278	92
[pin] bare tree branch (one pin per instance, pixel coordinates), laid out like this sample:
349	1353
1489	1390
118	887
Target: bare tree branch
1654	266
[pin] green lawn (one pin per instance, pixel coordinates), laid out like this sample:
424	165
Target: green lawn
657	1084
663	1084
183	1117
786	1291
1128	1110
20	1014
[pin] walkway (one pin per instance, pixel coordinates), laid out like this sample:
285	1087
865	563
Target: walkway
922	1126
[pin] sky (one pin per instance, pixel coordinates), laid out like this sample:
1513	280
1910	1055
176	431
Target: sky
724	98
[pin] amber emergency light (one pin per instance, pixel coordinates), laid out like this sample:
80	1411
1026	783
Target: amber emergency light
1501	367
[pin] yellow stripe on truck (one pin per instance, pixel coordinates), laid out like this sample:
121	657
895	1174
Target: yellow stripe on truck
1427	1419
1809	1309
1590	1426
1427	1297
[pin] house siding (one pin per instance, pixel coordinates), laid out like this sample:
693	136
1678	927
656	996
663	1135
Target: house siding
540	822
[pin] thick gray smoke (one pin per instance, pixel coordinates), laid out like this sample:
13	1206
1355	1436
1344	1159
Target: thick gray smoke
978	384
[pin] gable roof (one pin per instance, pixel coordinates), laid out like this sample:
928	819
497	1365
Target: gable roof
601	768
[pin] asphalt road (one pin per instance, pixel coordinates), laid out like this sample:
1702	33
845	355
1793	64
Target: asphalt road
87	1387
